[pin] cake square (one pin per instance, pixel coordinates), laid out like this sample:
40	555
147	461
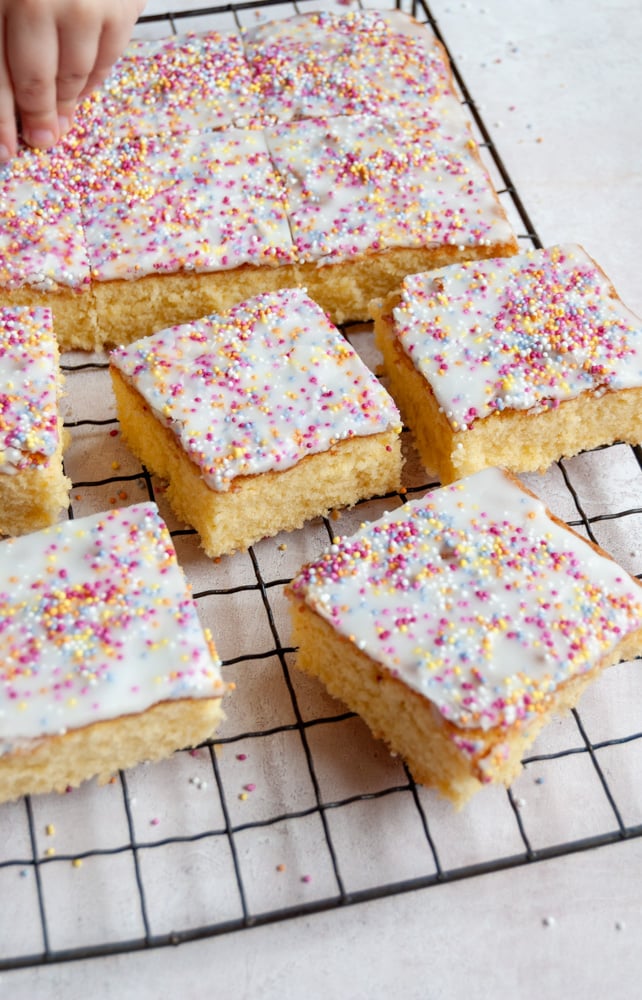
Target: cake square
373	196
33	487
189	82
102	657
328	63
259	418
177	213
515	363
457	624
43	256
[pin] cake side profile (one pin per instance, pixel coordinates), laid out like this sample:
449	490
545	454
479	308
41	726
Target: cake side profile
201	174
458	624
259	418
515	363
103	660
33	487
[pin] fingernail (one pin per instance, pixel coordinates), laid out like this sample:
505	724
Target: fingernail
5	154
64	124
41	138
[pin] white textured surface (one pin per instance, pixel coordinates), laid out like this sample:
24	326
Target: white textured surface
558	85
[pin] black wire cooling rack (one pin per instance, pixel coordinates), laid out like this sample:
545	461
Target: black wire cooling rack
294	808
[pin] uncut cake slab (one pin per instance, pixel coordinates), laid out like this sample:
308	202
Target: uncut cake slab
326	150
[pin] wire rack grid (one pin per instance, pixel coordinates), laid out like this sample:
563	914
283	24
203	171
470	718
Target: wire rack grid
295	808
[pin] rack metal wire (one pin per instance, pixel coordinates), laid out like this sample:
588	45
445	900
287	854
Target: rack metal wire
294	808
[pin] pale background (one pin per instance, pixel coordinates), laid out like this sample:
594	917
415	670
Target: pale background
558	83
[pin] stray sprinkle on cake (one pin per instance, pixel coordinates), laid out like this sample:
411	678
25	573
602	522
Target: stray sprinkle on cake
476	599
518	333
257	388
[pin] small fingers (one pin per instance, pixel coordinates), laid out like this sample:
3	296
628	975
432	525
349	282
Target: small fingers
32	60
8	135
53	56
78	40
114	37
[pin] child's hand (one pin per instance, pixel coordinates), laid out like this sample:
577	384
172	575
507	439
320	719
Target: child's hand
53	52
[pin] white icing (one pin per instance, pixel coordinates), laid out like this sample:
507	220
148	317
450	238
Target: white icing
186	82
519	332
362	184
29	431
258	388
41	238
476	599
183	203
96	622
363	61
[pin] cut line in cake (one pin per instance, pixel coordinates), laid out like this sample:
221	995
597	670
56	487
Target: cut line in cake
512	362
260	419
458	624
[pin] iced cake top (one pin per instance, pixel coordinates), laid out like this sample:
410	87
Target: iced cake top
257	388
519	333
179	162
41	239
191	202
96	621
363	61
29	385
362	184
176	84
475	598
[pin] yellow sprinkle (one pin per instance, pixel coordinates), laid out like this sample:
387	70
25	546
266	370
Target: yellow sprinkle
77	863
50	829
